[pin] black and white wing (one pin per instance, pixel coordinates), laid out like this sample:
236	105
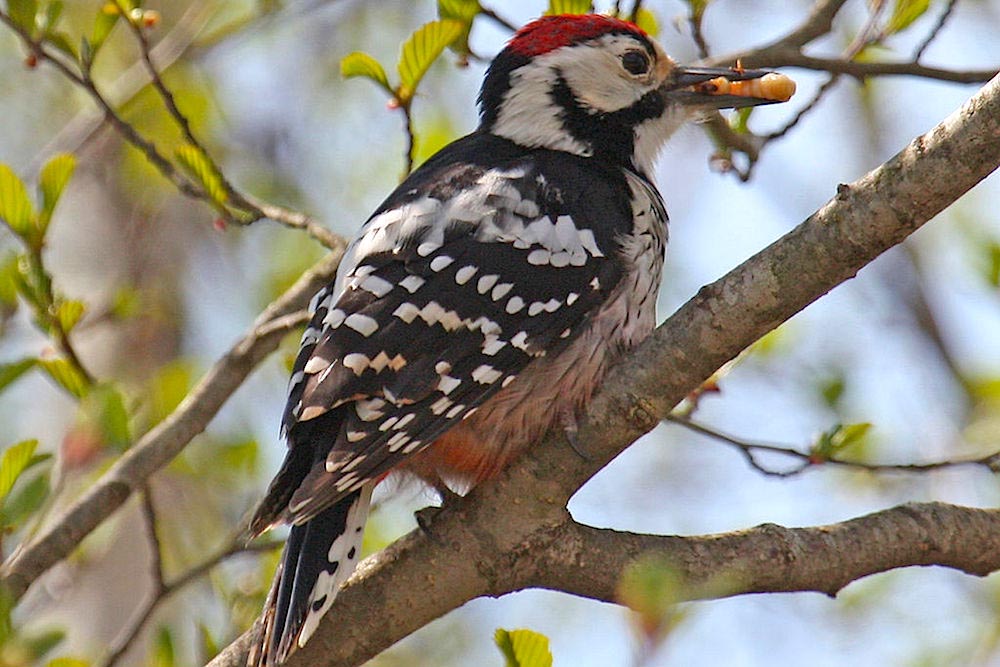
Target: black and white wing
461	279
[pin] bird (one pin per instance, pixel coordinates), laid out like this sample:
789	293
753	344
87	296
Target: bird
482	303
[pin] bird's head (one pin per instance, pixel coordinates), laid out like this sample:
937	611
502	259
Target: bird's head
599	86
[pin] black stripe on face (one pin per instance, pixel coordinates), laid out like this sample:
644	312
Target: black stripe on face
611	135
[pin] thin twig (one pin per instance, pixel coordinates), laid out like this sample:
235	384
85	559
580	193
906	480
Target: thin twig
83	80
47	315
827	86
168	438
870	33
411	141
694	20
81	128
164	590
155	548
818	23
945	15
636	8
276	213
787	52
496	18
807	459
295	220
163	165
154	74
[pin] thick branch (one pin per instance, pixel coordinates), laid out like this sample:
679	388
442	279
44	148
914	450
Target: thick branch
589	561
407	585
162	443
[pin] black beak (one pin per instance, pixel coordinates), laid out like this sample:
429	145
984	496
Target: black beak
727	88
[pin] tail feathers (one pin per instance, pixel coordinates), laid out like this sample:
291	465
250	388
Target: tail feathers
319	556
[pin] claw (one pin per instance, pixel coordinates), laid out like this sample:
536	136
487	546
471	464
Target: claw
446	495
570	428
425	519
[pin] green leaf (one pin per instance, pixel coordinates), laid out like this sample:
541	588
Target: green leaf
992	265
52	181
65	375
698	7
362	64
905	12
773	342
569	7
850	434
23	12
646	20
9	279
198	166
10	372
168	388
420	51
86	53
40	644
15	207
652	587
69	312
209	648
163	649
465	12
104	407
30	281
459	10
240	456
61	40
24	502
741	120
523	648
106	19
67	662
837	438
832	390
126	302
7	602
16	460
52	13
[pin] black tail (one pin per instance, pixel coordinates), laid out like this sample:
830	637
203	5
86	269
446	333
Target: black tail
318	558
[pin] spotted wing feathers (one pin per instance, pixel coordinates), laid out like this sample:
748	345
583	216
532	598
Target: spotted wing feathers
429	320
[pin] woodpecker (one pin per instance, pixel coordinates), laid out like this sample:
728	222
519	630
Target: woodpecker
482	303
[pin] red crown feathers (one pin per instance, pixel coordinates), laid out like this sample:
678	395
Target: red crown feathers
551	32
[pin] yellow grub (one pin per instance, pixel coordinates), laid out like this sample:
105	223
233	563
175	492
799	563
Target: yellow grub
773	86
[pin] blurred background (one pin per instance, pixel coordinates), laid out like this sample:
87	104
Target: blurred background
912	345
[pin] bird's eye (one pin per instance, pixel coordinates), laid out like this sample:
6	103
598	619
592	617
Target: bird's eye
635	62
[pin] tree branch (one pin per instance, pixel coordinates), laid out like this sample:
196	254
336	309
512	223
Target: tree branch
163	590
818	23
589	561
162	443
405	586
806	460
860	70
126	86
